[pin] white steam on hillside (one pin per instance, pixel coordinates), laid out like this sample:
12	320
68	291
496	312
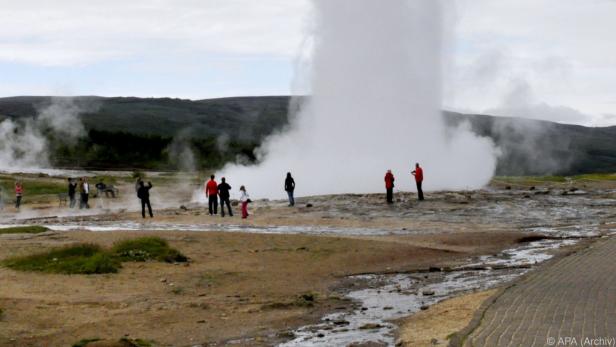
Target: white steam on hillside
23	144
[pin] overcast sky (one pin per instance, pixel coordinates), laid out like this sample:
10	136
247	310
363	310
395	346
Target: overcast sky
545	59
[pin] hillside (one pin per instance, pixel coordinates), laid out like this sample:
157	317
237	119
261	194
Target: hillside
147	132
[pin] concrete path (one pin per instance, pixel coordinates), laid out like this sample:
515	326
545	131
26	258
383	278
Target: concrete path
568	302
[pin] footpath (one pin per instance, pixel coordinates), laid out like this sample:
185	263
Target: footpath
568	302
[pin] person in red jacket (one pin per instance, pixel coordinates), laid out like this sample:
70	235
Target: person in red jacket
211	192
389	186
418	173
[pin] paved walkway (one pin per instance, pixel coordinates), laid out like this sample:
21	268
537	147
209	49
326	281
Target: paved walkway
569	302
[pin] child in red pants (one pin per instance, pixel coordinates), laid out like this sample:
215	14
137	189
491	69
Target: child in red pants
244	200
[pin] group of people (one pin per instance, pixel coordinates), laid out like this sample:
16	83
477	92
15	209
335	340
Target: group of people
221	191
213	191
83	187
389	183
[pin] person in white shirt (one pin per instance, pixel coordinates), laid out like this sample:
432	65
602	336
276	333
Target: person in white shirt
84	190
244	199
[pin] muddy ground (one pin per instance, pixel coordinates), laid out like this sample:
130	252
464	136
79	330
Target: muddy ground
245	277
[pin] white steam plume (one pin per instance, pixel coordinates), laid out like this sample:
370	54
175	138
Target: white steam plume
375	105
23	145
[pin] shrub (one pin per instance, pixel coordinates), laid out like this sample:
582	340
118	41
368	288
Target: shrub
147	248
79	259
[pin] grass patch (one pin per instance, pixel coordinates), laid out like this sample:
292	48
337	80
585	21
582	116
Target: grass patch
124	342
92	259
147	248
135	342
32	229
79	259
596	177
303	300
85	342
34	187
529	180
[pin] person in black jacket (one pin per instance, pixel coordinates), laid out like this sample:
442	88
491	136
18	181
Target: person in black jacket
143	193
289	186
223	195
72	189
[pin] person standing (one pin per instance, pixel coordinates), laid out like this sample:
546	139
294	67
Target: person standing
211	192
289	187
143	193
72	189
389	186
223	193
244	199
84	192
19	191
418	173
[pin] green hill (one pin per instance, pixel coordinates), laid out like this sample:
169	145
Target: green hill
128	132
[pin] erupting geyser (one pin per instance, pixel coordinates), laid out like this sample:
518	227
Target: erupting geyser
375	104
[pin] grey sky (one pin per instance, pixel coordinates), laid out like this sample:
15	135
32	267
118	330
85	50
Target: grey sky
549	59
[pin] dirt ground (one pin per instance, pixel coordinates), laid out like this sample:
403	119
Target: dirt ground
435	325
236	287
242	288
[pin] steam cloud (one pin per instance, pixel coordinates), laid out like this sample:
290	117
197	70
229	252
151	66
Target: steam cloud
23	144
375	105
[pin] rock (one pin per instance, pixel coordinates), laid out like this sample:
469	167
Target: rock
163	280
424	307
434	342
340	322
309	205
368	344
370	326
427	292
508	187
387	308
434	269
532	188
183	208
320	335
235	203
286	334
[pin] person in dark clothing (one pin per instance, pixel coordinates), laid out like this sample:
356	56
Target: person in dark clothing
211	192
72	189
223	194
389	186
418	173
100	188
143	193
289	187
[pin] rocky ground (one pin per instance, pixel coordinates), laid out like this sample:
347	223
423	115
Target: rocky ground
256	281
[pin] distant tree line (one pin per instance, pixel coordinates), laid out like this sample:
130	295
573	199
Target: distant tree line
123	150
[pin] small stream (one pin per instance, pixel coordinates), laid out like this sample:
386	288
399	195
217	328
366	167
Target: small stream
105	226
389	297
